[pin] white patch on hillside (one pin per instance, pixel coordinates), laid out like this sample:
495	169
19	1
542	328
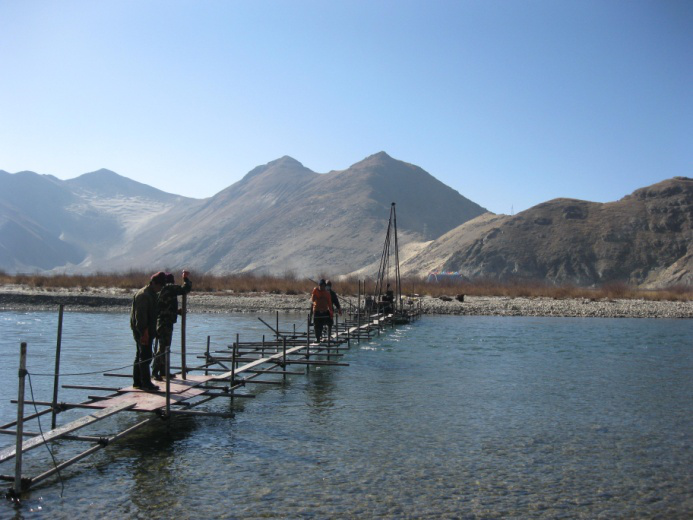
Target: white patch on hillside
269	199
131	213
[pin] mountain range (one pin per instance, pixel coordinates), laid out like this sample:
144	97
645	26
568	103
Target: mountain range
645	239
284	218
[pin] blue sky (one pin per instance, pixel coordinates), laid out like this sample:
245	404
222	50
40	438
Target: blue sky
510	103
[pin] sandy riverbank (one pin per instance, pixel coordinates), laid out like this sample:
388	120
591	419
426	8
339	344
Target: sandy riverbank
19	298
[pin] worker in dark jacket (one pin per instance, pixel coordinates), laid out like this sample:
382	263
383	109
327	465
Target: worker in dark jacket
143	324
168	315
322	308
335	304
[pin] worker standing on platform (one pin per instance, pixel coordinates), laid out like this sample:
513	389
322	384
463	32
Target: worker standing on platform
322	308
143	324
168	315
335	304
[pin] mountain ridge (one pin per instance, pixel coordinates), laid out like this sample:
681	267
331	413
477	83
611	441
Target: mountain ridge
644	239
282	217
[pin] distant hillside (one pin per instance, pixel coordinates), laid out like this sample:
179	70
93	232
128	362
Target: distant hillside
283	217
280	217
645	238
46	223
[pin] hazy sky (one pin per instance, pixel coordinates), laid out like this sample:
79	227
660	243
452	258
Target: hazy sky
511	103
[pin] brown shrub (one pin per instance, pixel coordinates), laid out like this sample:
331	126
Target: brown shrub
291	284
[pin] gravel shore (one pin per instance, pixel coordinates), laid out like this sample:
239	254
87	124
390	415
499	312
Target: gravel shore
19	298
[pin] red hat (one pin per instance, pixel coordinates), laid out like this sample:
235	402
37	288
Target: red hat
159	278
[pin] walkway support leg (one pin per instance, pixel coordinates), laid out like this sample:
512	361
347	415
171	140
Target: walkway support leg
183	316
207	358
20	420
168	382
56	377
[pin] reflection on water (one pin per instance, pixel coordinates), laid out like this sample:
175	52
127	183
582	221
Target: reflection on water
448	417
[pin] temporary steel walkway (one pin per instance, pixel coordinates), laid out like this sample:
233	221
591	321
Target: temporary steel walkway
221	374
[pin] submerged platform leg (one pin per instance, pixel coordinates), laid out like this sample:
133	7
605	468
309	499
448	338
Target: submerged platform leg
20	420
56	377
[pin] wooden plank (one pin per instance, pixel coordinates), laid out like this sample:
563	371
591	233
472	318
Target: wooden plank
276	358
90	387
178	385
315	362
65	429
149	401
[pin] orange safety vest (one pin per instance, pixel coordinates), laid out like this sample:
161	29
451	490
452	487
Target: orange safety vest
322	301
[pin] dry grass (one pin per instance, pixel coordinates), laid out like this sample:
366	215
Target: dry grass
291	284
529	289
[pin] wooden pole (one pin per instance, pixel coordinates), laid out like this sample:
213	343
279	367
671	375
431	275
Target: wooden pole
20	420
56	377
184	311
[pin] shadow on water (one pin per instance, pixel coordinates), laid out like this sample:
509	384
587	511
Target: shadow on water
320	390
152	460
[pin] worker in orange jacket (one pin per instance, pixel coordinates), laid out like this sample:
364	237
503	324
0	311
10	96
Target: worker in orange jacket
322	308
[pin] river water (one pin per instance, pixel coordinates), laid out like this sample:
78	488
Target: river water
448	417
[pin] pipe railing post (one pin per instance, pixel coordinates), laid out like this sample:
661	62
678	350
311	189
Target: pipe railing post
308	342
184	312
234	363
358	307
358	316
234	353
348	334
168	382
284	357
20	420
56	377
207	358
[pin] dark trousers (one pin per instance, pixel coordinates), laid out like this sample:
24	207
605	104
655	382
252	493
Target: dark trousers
329	328
320	321
140	370
159	365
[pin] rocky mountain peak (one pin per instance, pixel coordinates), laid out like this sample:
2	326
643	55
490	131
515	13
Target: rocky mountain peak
376	161
285	161
108	183
283	166
665	189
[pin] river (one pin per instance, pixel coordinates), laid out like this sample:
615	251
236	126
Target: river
447	417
